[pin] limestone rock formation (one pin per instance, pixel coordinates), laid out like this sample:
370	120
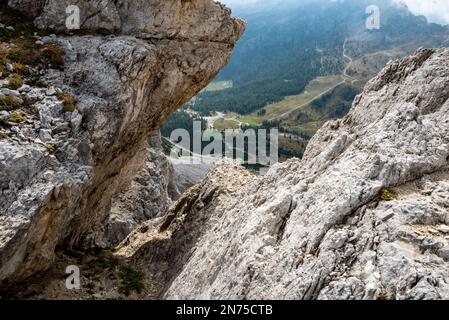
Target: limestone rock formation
365	214
149	196
161	247
193	20
60	170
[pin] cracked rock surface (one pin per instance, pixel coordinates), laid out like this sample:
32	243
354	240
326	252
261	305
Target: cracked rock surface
60	171
364	215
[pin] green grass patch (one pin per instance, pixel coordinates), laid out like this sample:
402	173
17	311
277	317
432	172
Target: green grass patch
20	68
218	86
15	82
68	100
10	103
36	82
3	54
222	124
130	280
27	52
388	194
252	121
17	118
315	88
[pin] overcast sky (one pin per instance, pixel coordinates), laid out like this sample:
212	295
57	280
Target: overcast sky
434	10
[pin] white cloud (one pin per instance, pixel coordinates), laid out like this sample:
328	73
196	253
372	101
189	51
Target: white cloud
434	10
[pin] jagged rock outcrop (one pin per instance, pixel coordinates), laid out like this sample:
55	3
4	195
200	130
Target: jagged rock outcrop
191	20
59	170
365	214
161	247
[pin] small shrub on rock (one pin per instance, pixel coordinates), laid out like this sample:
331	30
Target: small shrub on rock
41	83
27	52
131	280
20	68
53	56
3	54
9	103
17	118
15	82
388	194
68	100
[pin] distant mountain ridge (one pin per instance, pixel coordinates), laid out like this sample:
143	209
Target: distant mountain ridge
288	44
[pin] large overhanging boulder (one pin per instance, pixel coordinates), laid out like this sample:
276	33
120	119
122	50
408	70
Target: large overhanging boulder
126	84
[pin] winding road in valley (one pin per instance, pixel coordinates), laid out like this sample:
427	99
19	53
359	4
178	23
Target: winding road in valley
345	71
285	114
345	74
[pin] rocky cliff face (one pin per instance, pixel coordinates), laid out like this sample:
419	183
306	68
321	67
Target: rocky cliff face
365	214
149	196
61	166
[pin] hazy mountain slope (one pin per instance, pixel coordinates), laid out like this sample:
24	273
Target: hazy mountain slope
291	45
288	44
